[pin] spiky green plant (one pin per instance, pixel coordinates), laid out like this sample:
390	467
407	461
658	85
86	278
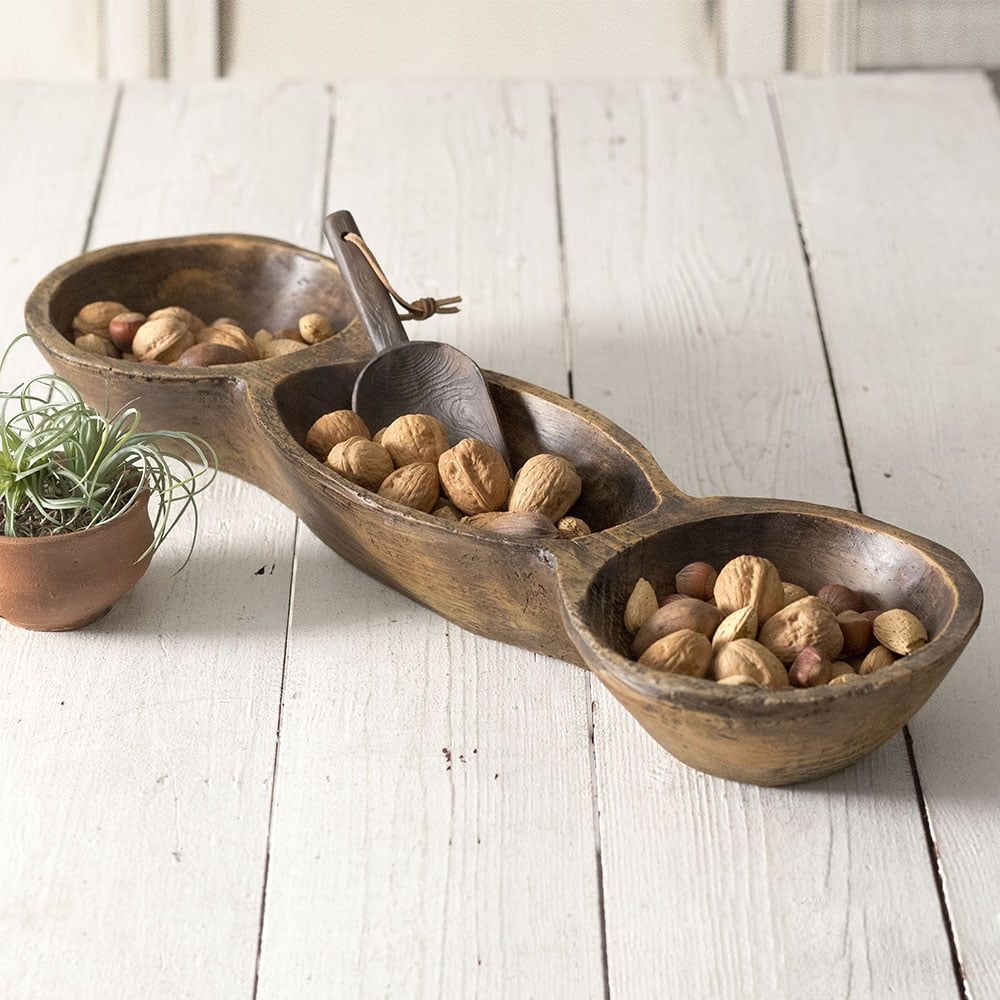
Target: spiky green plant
65	466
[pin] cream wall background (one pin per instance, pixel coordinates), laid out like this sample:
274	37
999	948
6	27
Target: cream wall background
324	39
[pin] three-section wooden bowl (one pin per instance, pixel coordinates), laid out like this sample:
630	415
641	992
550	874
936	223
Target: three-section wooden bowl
560	597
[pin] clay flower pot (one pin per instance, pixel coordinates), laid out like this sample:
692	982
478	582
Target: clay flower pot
60	582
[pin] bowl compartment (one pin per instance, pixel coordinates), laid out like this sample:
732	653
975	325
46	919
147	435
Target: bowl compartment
808	549
259	283
615	487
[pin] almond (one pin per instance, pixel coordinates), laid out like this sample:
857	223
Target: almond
514	524
878	659
547	484
740	624
684	652
573	527
641	605
900	631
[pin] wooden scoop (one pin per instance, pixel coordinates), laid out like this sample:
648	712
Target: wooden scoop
404	377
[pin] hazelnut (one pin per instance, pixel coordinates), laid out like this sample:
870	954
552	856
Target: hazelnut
363	462
688	613
807	622
446	512
123	328
331	429
94	344
857	633
96	317
315	328
697	579
641	605
415	437
685	652
749	580
474	476
164	339
840	598
810	669
844	679
840	667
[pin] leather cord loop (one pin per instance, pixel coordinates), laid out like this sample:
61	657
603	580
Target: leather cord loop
422	308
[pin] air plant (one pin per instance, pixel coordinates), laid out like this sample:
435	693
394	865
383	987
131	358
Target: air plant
65	466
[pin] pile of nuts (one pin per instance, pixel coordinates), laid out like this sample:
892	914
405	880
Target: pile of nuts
412	463
744	626
175	336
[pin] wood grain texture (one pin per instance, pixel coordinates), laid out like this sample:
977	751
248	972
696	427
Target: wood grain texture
898	185
141	749
433	829
692	325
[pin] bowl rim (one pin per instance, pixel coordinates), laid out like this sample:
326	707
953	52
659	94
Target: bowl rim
37	308
706	695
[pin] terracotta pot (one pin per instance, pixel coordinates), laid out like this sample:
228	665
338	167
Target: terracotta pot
62	582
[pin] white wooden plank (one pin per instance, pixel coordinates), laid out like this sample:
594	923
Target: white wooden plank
752	36
442	38
692	325
193	39
395	871
140	751
50	40
898	183
894	34
824	35
133	42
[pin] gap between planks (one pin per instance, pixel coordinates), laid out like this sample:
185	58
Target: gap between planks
589	685
932	850
328	153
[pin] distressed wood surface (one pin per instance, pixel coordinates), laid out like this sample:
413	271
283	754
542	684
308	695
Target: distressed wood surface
433	829
442	822
897	179
692	325
142	749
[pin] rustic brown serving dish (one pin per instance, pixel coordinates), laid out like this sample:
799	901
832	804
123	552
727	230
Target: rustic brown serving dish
559	597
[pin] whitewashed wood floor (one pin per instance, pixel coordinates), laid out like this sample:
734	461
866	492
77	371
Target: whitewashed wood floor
268	776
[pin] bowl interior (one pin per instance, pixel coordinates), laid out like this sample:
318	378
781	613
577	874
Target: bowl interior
615	488
808	549
254	280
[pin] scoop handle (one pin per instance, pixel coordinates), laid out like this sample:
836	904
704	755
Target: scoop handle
375	308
